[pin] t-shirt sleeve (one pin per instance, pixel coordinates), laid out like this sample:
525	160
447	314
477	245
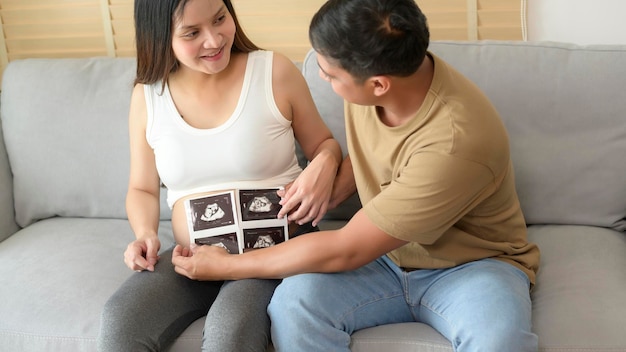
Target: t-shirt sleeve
429	195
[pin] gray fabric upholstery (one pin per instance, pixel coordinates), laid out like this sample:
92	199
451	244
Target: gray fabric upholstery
68	117
578	301
64	175
7	214
329	104
565	108
402	337
56	275
330	107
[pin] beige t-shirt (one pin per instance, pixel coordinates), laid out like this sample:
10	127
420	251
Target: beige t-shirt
443	181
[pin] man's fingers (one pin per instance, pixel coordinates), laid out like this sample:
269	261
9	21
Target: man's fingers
178	258
180	253
289	205
304	215
183	263
320	214
286	196
285	191
180	270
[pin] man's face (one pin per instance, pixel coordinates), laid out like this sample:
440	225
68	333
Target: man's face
343	83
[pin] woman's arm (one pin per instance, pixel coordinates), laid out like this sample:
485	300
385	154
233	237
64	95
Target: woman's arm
307	198
142	198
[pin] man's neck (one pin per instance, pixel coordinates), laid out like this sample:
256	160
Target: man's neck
406	96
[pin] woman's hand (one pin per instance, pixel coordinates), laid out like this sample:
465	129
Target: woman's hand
142	253
306	199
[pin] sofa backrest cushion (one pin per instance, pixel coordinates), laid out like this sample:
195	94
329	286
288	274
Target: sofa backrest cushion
7	213
65	124
565	110
330	107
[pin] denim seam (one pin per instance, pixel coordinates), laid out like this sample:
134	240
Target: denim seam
367	303
436	312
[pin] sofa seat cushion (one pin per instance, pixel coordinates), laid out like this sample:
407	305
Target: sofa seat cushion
581	288
576	302
61	272
402	337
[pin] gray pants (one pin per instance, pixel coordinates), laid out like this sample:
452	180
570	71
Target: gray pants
151	309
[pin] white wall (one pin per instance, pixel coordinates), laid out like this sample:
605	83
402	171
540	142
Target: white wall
577	21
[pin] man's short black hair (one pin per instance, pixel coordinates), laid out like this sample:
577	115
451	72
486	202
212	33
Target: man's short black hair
371	37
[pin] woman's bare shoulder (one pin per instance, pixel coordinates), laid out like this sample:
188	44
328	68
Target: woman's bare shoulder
283	67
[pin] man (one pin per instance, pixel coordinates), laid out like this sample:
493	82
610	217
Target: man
440	239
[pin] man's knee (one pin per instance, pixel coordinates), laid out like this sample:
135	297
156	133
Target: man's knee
290	293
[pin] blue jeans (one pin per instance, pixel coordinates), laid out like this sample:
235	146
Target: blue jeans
479	306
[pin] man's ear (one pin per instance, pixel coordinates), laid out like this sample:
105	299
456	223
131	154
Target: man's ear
380	85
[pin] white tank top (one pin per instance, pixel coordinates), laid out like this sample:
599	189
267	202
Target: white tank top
254	148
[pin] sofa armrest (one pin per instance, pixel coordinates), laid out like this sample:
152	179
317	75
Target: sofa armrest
7	209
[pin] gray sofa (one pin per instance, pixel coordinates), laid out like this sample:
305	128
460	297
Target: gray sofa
64	169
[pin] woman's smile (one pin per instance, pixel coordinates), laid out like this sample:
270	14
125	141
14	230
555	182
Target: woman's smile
214	56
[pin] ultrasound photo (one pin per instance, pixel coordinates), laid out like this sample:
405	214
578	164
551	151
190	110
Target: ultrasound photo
262	237
259	204
227	241
212	211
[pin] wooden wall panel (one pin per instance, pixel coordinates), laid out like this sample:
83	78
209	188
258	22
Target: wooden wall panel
121	12
280	25
52	28
82	28
500	19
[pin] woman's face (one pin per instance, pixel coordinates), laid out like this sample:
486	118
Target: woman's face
203	36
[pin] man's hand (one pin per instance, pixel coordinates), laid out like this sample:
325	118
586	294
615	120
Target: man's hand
203	263
142	253
306	198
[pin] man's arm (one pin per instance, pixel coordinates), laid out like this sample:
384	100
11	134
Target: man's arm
350	247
